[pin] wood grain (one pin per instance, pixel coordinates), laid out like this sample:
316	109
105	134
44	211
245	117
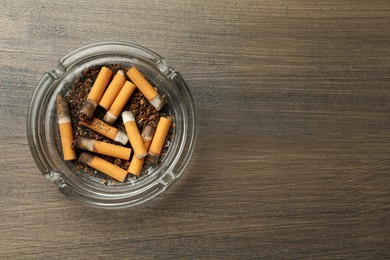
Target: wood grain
293	151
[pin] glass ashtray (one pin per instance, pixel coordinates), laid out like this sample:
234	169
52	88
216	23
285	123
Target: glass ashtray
43	137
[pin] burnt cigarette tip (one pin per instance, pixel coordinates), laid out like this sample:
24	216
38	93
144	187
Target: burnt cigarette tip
148	132
61	103
122	138
109	118
127	116
60	98
158	102
88	108
62	107
86	158
84	143
142	155
151	159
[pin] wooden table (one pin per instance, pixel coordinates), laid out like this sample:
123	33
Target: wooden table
293	151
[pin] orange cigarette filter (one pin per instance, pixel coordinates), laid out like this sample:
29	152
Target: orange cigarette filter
158	140
106	130
133	134
119	103
96	92
113	89
146	88
103	166
112	150
136	164
65	127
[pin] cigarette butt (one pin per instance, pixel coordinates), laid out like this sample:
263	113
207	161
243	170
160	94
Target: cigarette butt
113	89
112	150
147	135
146	88
96	92
158	140
136	164
119	103
133	134
103	166
65	127
106	130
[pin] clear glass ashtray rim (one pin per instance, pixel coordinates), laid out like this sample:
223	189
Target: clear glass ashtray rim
119	198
